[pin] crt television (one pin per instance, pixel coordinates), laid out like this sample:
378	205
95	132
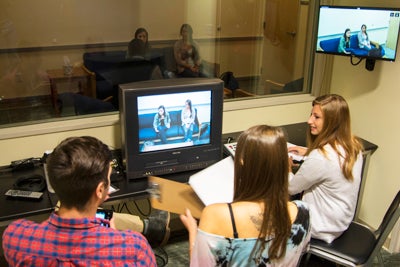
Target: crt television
146	152
382	27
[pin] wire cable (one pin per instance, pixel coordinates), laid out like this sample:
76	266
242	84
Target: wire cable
356	63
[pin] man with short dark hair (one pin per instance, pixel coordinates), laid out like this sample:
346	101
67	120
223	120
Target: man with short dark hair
79	171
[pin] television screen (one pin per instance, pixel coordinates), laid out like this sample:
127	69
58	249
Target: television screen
363	32
170	126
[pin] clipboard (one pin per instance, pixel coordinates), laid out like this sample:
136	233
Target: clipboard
174	196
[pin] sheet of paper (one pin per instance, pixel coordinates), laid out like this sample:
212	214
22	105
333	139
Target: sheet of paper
112	189
293	155
214	184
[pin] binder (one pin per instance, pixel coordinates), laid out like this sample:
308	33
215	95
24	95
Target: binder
174	196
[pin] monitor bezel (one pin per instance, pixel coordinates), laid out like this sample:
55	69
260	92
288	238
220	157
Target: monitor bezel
395	9
161	162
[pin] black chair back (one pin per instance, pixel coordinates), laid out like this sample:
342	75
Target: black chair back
358	245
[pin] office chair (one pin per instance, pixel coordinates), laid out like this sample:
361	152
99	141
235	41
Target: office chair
358	245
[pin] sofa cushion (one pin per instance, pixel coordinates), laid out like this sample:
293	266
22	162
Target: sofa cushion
147	133
102	61
331	45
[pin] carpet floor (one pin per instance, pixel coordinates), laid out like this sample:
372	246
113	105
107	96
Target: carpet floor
175	254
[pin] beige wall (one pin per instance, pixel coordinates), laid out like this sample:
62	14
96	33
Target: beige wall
35	145
373	98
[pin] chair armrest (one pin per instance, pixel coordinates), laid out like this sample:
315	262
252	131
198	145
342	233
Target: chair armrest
272	85
238	93
92	81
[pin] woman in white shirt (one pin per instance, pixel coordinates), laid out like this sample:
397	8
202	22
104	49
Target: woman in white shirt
330	175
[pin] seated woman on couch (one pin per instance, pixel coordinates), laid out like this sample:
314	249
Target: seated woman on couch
161	123
187	55
344	43
137	52
363	39
188	116
143	35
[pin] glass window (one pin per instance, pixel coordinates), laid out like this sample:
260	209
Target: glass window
61	59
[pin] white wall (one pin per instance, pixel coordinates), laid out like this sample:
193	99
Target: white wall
373	97
34	145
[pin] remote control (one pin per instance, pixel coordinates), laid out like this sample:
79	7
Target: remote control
24	194
230	148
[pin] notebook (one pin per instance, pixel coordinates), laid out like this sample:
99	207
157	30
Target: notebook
214	184
230	148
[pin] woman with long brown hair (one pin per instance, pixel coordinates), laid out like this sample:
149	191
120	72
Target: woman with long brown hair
261	227
330	175
187	54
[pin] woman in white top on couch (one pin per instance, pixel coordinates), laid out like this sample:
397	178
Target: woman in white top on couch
331	172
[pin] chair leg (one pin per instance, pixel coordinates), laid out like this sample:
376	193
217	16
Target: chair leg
306	257
380	259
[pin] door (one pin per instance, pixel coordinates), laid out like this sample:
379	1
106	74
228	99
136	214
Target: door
279	61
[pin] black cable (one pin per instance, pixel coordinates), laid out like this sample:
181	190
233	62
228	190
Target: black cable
162	255
140	211
351	60
125	205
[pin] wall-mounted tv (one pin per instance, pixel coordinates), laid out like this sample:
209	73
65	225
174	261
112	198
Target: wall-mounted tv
363	32
171	125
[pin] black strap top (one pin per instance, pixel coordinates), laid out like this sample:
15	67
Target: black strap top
235	233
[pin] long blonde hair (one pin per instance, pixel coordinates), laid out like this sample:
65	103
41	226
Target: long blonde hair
336	131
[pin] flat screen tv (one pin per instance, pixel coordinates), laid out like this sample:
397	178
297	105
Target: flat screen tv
379	41
158	137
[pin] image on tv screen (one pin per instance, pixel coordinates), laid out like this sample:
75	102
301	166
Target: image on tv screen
173	120
360	32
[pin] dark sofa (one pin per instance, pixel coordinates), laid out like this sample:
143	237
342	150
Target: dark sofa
175	132
331	45
111	68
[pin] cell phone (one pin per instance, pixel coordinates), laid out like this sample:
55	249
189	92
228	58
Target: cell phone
104	214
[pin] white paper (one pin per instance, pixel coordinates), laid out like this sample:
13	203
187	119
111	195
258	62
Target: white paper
214	184
294	156
112	189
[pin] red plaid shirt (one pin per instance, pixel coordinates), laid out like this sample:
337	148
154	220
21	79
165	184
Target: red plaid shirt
74	242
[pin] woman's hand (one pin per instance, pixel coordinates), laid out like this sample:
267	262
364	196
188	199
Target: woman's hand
189	221
298	150
191	225
195	68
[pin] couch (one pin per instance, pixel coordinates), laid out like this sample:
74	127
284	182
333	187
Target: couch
175	132
111	68
108	69
331	45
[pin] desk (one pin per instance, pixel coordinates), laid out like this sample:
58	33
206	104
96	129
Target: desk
14	208
78	75
296	134
136	188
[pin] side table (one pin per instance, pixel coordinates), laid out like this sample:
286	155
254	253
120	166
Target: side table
78	75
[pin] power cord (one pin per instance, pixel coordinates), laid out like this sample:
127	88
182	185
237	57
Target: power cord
356	63
161	256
